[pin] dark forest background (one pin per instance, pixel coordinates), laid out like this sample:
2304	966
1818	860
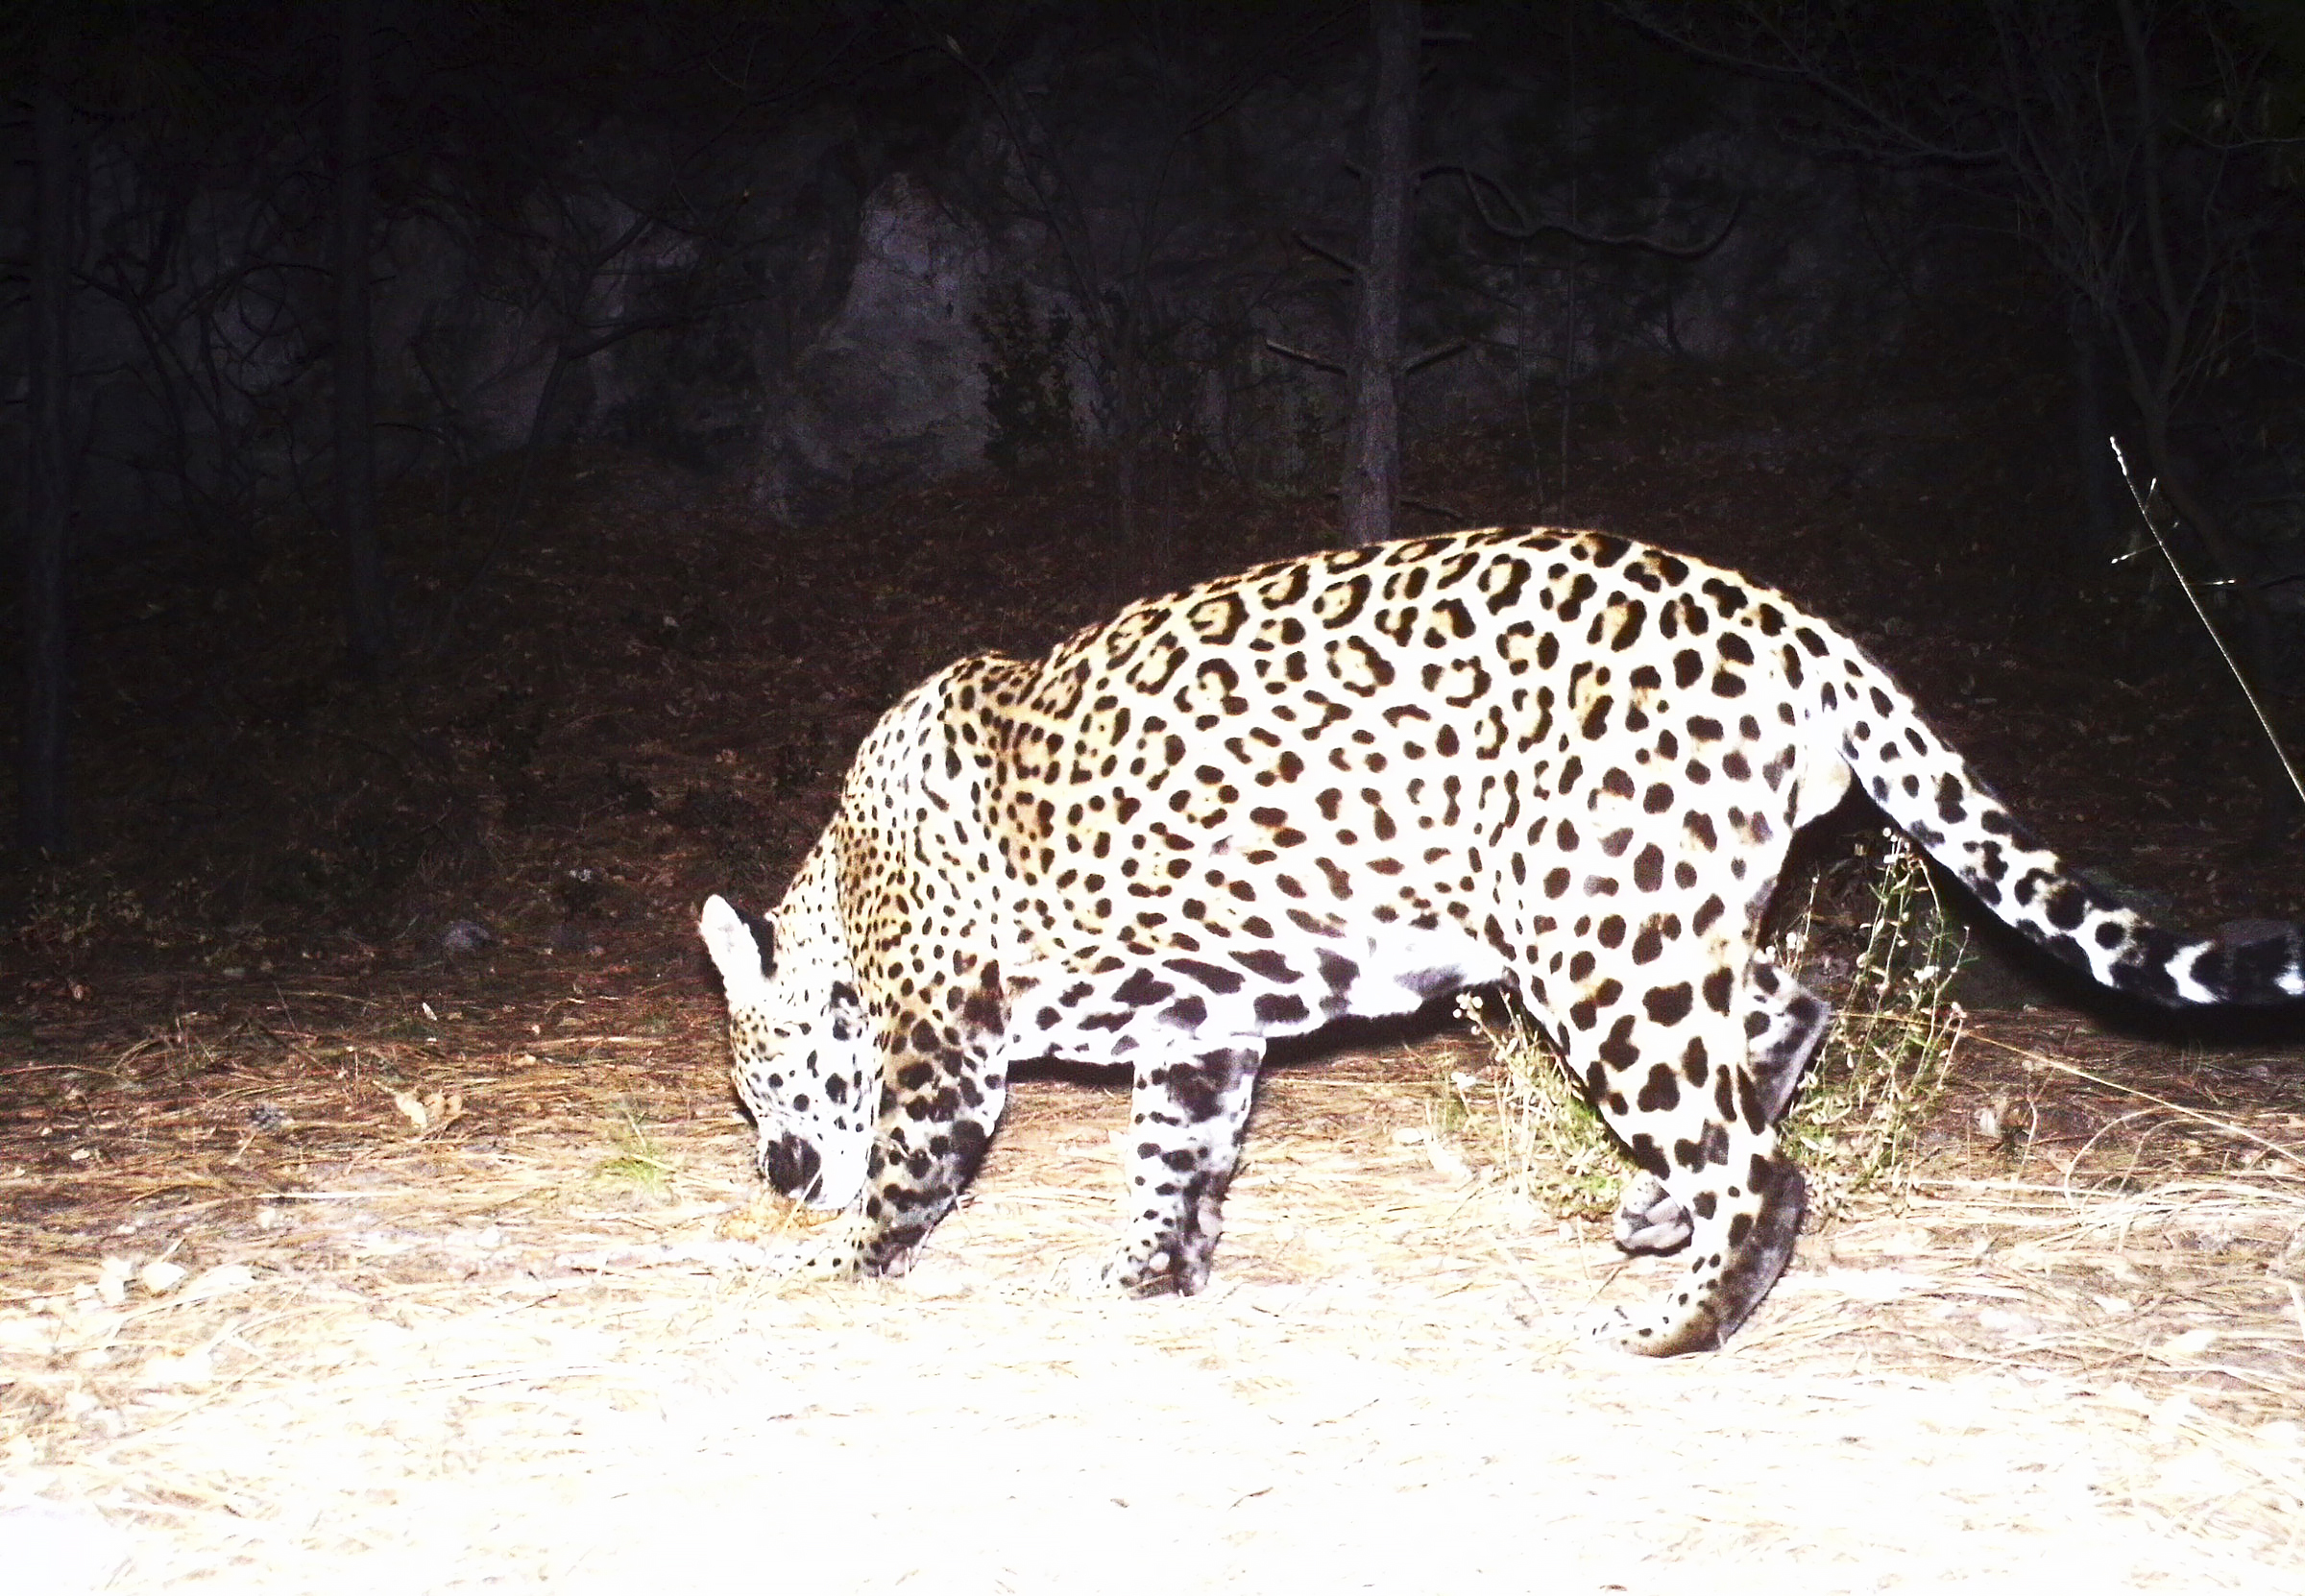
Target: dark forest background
461	455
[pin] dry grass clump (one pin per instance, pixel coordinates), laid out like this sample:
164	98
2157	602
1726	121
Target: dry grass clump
1549	1145
1857	1124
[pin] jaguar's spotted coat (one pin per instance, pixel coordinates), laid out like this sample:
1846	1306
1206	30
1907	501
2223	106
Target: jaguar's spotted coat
1343	784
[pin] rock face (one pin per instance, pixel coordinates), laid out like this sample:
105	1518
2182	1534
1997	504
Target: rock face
831	309
890	389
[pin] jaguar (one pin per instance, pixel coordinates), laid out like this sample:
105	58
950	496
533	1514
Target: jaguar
1561	762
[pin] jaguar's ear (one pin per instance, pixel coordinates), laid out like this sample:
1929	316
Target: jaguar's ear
738	955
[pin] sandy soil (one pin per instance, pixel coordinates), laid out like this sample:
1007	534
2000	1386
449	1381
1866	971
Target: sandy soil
394	1380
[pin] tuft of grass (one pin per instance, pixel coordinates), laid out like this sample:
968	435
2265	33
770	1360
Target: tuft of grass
1857	1123
1551	1146
638	1163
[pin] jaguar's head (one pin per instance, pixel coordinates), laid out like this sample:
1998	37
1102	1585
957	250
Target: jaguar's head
803	1060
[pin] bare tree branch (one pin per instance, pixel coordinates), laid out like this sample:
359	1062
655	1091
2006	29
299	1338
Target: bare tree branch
1435	355
1305	357
1344	262
1792	57
1521	228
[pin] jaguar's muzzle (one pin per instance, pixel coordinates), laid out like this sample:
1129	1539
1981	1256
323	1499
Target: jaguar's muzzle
793	1166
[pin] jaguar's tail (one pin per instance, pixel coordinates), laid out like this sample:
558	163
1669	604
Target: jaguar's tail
1929	792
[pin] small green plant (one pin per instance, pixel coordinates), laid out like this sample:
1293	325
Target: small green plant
1858	1120
637	1162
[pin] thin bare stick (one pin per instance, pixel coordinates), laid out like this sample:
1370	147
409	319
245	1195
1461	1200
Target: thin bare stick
2185	583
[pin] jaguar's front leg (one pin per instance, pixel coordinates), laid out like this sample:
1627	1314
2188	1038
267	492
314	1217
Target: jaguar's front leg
933	1131
1186	1120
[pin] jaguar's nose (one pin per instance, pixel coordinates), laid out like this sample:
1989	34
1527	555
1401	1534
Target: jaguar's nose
793	1166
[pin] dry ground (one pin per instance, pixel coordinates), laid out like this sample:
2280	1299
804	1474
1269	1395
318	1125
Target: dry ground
274	1337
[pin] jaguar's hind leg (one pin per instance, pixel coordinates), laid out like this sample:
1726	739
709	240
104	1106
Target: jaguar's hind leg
1187	1117
1649	1219
1673	1085
1785	1022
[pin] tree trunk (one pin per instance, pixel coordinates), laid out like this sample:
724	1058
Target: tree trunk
41	818
1141	568
1371	489
368	617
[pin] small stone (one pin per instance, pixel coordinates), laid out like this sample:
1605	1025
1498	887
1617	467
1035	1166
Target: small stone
466	936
